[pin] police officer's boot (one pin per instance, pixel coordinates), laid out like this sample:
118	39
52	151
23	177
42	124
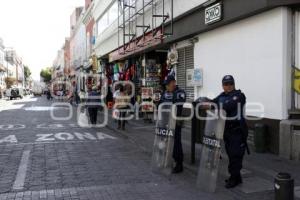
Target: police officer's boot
178	168
239	178
233	182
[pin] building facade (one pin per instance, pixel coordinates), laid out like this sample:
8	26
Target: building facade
67	50
3	69
89	23
74	39
255	41
59	64
15	66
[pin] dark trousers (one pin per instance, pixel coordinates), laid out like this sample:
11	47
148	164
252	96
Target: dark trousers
121	120
76	97
93	115
235	148
177	151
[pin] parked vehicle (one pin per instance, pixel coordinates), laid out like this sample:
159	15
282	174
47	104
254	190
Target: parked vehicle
27	92
37	89
14	93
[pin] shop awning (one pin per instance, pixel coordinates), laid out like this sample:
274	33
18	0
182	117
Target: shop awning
137	46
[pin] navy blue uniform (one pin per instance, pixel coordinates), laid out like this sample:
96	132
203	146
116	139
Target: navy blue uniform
178	96
236	130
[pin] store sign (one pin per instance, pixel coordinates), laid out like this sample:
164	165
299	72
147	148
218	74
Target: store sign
213	13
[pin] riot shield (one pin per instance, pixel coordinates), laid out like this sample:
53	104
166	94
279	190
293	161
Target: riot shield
211	151
162	161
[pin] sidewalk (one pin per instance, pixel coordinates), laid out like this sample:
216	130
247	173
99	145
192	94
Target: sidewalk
258	173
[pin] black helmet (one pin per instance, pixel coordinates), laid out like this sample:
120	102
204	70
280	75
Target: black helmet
228	79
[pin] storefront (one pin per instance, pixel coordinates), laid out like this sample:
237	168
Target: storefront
252	40
256	46
145	70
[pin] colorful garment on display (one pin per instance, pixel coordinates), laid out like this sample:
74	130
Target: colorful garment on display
121	76
116	77
116	68
133	71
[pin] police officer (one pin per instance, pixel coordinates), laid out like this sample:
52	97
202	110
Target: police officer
174	95
236	130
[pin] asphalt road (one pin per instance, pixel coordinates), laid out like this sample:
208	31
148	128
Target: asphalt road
44	158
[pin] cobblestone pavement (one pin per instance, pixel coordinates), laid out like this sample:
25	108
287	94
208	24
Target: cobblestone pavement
258	173
45	159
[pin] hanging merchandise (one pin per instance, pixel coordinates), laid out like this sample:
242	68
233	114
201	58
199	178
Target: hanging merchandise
164	73
153	74
139	70
133	72
121	76
127	64
116	68
153	78
116	77
121	67
147	100
127	75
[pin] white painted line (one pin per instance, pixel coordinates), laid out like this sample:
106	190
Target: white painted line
55	142
21	175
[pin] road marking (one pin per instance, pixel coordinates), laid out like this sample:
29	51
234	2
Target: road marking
55	138
21	175
103	136
9	139
83	136
50	126
53	142
12	127
44	137
64	136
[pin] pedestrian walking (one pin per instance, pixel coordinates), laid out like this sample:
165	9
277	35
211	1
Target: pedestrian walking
236	131
109	98
121	104
93	103
173	94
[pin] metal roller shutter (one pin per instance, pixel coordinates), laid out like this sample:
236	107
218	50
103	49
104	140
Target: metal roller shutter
185	61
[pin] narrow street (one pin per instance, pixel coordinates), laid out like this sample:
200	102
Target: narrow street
150	100
45	159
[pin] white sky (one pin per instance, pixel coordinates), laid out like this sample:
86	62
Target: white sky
36	29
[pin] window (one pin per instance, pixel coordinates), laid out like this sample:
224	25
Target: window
108	18
113	13
102	23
